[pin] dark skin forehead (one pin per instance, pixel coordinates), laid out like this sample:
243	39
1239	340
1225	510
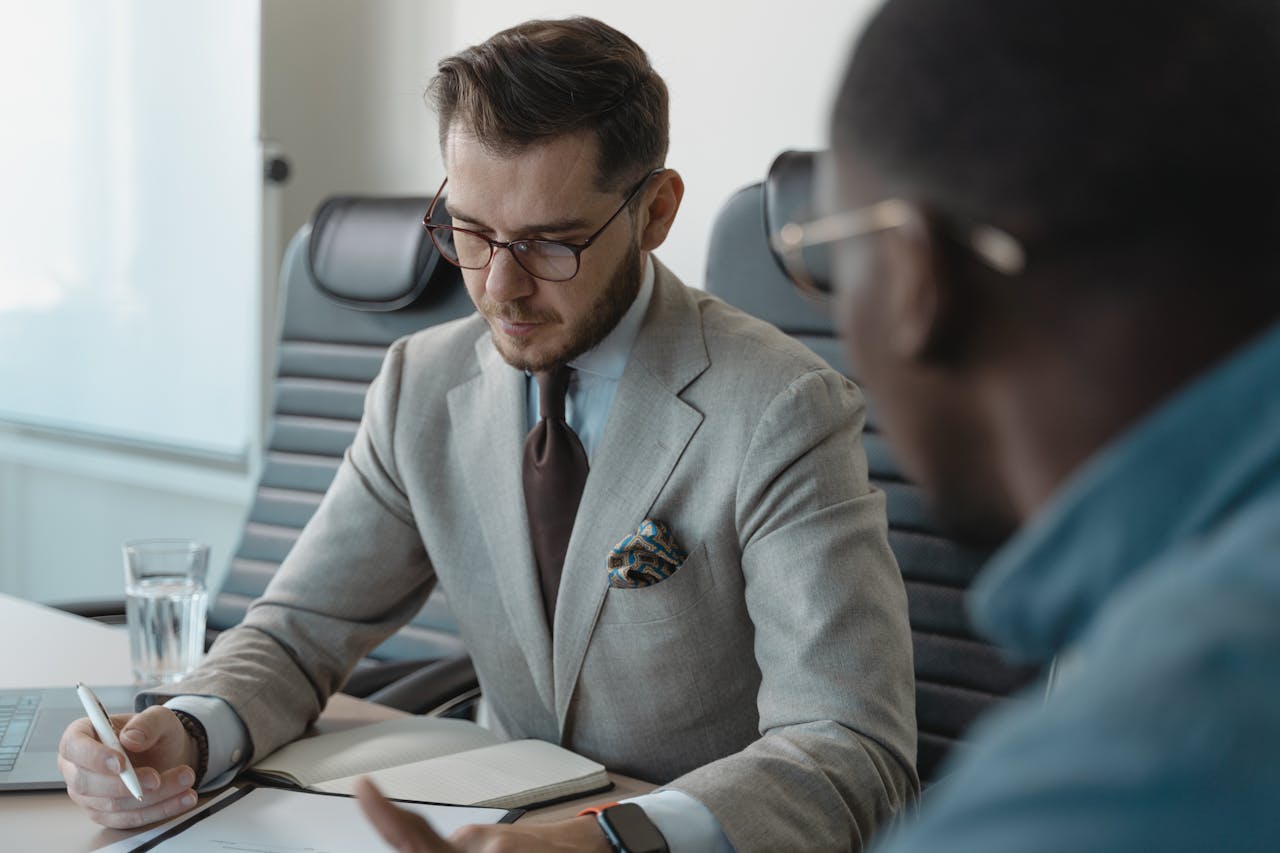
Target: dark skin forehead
846	180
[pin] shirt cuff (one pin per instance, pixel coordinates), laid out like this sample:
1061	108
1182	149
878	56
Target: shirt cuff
685	823
228	738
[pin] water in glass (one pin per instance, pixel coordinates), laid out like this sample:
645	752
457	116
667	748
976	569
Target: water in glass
169	613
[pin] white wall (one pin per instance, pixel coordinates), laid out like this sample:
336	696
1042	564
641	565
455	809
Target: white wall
67	504
342	86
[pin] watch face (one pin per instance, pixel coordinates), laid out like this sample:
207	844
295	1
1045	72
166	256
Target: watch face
631	830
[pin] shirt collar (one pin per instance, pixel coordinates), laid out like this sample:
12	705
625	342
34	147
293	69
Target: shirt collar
1173	476
609	357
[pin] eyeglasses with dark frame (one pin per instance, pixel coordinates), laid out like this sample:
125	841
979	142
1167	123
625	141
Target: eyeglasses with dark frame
548	260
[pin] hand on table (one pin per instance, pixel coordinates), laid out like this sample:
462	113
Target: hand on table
409	833
162	753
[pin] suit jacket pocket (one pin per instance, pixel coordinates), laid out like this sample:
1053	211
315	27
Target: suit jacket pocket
685	588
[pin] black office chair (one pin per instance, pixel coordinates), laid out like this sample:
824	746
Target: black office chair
958	676
361	275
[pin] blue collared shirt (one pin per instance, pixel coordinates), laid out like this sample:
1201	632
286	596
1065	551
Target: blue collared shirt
686	823
596	373
1154	574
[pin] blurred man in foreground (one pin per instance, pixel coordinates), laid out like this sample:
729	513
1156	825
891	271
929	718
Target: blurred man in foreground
1055	261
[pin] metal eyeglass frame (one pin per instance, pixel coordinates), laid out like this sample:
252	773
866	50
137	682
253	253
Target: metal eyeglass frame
512	245
996	248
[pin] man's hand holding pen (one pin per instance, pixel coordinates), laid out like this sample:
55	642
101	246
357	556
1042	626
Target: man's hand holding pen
163	755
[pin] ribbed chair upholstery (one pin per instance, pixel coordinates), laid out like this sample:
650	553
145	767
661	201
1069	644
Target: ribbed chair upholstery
360	276
958	676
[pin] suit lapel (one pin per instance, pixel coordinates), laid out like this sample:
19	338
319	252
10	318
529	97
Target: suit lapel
490	422
647	430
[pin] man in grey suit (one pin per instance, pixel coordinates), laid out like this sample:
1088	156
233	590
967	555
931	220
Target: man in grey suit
725	618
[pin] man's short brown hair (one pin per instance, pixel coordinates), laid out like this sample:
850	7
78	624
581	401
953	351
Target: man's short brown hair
543	79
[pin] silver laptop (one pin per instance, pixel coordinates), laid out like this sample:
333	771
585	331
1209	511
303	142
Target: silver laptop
31	725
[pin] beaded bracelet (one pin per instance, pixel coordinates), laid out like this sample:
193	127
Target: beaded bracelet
196	730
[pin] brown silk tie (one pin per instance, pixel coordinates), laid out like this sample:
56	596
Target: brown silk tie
555	471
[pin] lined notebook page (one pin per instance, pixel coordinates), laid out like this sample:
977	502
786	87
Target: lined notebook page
507	774
369	748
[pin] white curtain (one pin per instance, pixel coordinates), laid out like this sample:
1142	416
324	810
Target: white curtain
130	208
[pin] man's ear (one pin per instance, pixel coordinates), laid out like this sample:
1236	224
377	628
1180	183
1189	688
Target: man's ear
926	307
661	202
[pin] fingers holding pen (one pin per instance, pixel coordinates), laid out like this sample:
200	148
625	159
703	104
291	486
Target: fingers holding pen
92	789
106	800
81	748
135	814
92	773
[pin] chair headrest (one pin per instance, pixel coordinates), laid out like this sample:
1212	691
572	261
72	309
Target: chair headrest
372	254
789	197
742	268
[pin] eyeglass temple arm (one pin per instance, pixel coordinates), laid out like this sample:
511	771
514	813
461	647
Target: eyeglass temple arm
995	247
881	216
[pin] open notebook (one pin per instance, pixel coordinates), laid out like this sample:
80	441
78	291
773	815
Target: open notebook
437	760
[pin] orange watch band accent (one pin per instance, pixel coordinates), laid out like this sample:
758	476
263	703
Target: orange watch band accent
595	810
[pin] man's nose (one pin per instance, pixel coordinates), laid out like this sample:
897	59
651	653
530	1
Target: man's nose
507	280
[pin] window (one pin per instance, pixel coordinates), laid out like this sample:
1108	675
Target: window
130	220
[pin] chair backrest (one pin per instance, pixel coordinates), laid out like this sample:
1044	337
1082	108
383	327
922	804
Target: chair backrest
361	275
958	676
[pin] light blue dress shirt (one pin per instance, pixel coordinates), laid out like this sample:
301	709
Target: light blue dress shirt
1155	573
596	373
686	823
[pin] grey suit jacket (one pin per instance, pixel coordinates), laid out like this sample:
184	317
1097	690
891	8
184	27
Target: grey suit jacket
770	677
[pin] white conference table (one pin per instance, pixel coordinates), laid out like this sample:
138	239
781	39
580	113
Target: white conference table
50	648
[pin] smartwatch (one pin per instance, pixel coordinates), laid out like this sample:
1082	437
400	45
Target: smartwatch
628	828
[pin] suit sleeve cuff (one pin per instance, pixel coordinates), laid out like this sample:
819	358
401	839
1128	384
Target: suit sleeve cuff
685	823
228	738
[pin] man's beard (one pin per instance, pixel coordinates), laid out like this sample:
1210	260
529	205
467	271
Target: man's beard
604	315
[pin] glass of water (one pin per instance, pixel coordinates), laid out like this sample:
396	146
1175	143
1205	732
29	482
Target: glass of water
165	605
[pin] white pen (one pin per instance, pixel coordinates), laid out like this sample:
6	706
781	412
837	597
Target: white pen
107	734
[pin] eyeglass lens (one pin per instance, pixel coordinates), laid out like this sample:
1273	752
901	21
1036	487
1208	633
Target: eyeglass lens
789	198
540	258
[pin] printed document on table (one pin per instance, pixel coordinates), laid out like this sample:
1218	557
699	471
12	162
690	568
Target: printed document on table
273	820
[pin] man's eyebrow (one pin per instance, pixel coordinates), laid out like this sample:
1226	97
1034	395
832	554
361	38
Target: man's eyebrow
553	227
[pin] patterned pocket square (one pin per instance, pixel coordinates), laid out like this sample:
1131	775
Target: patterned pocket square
648	556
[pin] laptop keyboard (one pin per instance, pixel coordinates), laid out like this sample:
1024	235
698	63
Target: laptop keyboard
17	713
